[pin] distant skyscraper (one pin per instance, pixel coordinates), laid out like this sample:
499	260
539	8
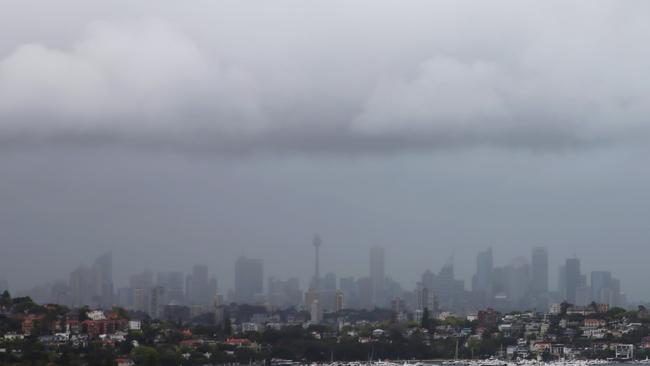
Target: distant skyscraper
81	287
446	288
316	312
518	282
573	278
172	282
249	279
103	273
141	284
315	281
600	284
213	289
156	302
428	280
539	271
484	271
377	275
199	286
329	282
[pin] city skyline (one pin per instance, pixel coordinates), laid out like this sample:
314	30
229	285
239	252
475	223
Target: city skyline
518	284
173	135
227	182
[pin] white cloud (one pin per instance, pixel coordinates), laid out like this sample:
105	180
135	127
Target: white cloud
129	80
229	76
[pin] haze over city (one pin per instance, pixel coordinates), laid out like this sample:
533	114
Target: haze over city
174	135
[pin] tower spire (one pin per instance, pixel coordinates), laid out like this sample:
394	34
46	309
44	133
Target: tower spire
317	243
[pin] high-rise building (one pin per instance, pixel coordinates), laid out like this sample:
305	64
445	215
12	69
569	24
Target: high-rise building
339	301
539	271
428	280
329	282
316	312
377	275
573	277
213	290
446	288
315	281
141	299
141	284
198	291
484	271
518	282
600	282
82	287
249	280
172	282
156	303
103	276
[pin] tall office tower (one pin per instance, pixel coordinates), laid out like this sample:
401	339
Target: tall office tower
172	282
327	292
340	301
428	279
103	273
518	282
617	298
539	271
447	289
156	302
199	286
316	312
600	282
140	299
249	279
484	271
81	287
377	275
329	282
422	297
315	281
213	289
392	290
141	284
573	277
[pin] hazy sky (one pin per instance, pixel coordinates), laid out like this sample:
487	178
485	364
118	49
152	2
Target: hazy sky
176	134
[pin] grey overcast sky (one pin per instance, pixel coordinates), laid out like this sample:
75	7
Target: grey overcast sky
176	133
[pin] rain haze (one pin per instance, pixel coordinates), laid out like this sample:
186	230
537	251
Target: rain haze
183	133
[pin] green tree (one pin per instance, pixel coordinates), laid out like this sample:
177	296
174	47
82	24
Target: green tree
145	356
5	299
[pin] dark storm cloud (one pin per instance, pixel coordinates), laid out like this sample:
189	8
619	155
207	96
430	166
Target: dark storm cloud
333	77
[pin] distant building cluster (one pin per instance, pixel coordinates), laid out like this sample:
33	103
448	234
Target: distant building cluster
522	284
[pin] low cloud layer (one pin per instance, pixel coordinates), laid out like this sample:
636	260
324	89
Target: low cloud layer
365	77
